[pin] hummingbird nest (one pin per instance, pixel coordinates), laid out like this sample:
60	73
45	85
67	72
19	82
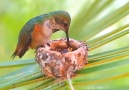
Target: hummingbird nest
57	61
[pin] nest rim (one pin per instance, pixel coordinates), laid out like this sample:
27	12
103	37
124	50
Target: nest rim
62	44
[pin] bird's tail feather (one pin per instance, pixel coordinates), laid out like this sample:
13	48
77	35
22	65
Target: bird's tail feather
19	52
22	46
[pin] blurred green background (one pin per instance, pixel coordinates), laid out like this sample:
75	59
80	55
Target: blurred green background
15	13
103	24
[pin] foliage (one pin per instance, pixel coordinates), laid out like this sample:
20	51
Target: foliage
102	24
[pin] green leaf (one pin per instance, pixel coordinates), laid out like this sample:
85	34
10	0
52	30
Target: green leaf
109	39
17	63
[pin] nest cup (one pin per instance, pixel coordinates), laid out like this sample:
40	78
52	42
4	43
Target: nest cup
58	61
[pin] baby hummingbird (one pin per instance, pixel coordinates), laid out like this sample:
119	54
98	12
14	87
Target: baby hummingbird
37	31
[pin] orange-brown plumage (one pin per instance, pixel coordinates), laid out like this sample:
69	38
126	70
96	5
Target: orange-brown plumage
37	31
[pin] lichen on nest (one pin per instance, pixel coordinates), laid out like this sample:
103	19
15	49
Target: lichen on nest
56	60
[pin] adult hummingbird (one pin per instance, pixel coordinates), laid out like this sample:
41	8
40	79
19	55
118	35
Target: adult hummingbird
37	31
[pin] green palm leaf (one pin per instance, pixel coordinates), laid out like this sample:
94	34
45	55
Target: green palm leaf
106	69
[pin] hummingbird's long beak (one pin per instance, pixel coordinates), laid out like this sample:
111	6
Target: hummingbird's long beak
67	36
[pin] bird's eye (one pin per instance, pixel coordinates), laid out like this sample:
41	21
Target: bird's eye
65	25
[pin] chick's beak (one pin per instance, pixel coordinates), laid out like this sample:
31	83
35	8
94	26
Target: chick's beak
67	36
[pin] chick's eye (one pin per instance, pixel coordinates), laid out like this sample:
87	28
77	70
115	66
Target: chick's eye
65	25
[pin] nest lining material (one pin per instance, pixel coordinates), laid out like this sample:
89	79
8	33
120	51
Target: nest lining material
57	61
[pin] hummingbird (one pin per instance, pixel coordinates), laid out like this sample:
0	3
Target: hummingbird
38	30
